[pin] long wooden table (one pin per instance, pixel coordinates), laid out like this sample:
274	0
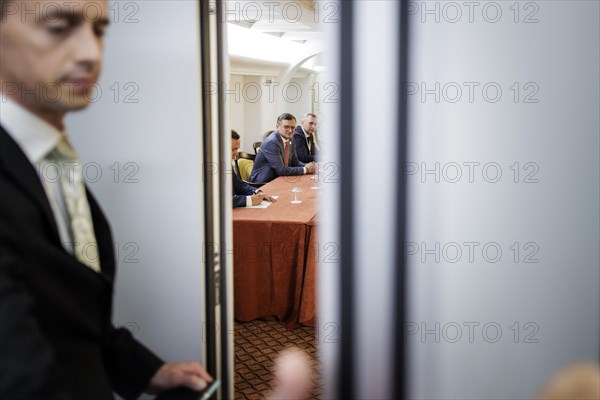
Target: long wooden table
275	251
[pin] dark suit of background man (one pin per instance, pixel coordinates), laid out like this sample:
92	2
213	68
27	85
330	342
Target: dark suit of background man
277	155
244	195
57	340
304	138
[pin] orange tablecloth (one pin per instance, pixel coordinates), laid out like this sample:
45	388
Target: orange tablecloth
275	255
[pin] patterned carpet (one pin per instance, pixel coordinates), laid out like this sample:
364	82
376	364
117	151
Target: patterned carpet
257	344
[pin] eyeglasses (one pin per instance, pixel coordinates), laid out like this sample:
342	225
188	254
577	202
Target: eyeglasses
287	127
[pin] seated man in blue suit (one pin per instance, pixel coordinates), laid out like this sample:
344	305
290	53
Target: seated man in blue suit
277	155
244	195
304	137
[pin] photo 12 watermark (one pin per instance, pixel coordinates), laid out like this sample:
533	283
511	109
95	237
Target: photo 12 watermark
325	332
126	12
124	253
327	172
469	92
287	251
471	12
471	332
453	252
132	327
92	172
69	92
269	91
272	12
489	172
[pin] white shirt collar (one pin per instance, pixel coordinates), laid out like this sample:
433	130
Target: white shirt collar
35	136
305	134
284	139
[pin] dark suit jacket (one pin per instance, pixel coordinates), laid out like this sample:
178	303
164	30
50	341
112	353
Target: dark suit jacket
57	340
305	154
240	191
268	164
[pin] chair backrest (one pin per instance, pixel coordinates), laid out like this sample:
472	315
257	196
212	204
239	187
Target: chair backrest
245	167
267	134
246	156
256	146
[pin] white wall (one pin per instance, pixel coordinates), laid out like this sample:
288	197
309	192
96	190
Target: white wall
237	111
249	107
155	202
556	217
302	103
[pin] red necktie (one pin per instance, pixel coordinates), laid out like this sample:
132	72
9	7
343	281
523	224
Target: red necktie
286	153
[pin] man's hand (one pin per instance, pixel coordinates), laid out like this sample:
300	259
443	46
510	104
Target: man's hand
270	198
311	167
293	376
189	374
257	199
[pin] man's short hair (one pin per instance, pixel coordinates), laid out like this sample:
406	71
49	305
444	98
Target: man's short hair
2	8
310	115
285	116
234	135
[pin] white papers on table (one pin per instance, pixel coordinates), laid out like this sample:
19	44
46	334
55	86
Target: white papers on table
264	203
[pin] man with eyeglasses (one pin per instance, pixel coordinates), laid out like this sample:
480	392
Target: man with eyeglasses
277	155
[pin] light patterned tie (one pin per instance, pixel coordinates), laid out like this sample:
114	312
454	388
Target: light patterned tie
85	247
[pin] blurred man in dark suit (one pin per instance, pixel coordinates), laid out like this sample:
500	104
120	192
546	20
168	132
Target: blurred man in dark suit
304	138
244	195
57	265
277	155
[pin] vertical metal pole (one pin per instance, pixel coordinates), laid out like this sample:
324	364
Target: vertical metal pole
211	182
399	374
219	326
345	385
225	217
